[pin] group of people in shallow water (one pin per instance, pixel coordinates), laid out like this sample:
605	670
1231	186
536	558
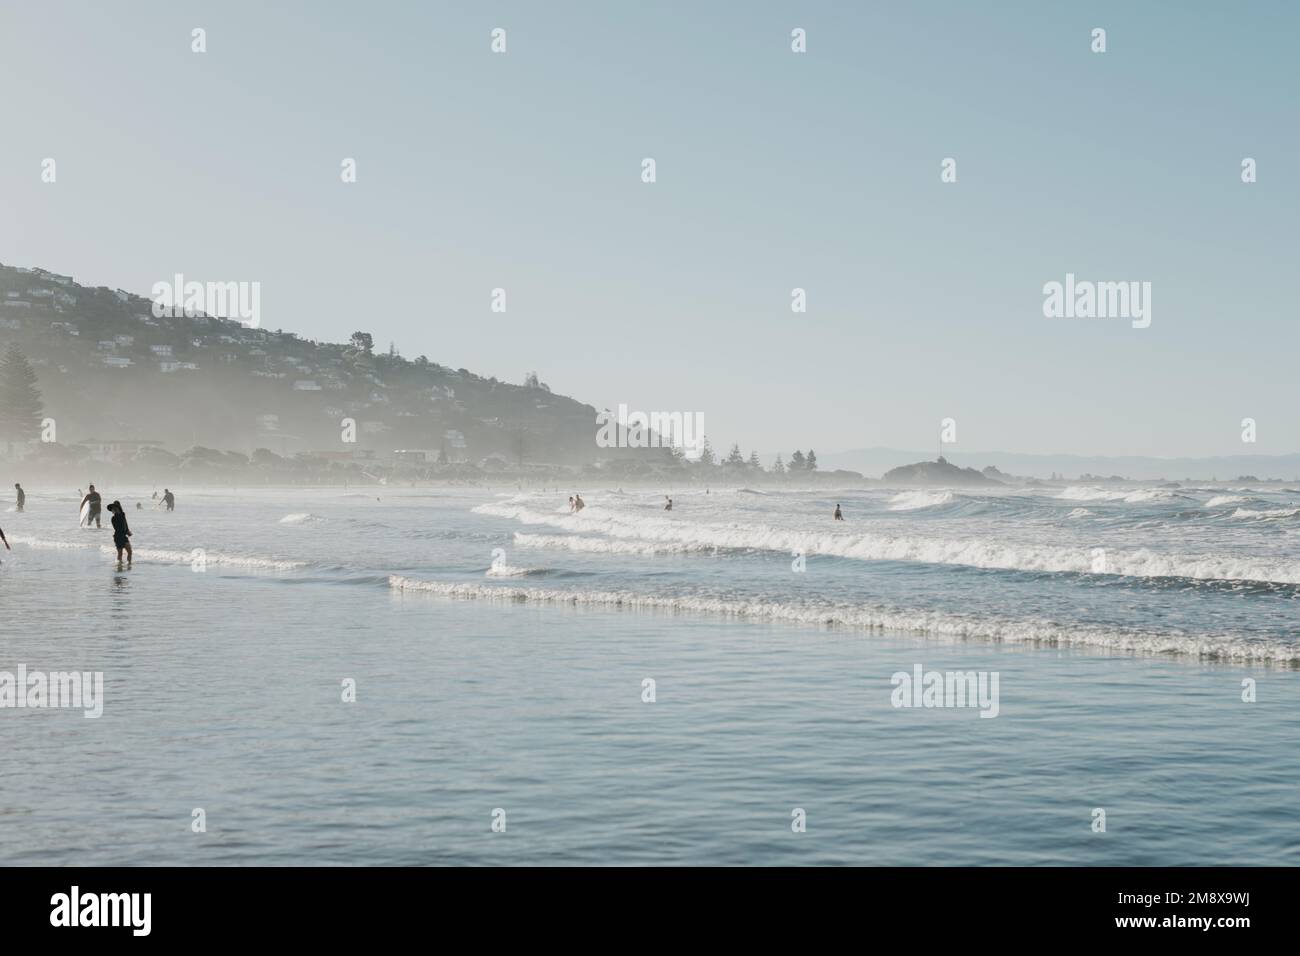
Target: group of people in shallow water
92	503
121	531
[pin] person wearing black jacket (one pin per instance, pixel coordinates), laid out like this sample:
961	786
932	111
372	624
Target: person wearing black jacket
121	533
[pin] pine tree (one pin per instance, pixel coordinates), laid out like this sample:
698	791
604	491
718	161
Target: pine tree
796	461
778	466
754	463
20	400
706	453
734	457
811	461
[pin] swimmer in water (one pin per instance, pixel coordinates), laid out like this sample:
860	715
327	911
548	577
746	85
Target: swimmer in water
838	515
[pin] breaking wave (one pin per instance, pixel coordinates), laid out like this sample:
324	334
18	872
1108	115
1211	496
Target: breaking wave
1035	632
912	500
301	518
220	558
971	552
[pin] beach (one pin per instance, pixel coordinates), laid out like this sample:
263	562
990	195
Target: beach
498	650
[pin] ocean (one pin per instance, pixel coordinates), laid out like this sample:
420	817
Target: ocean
408	676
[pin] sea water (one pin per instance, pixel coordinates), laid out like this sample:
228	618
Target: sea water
417	676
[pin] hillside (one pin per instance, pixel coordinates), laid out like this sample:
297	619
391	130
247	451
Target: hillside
940	472
110	371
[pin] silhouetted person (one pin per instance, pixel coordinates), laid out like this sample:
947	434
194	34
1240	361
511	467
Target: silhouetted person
121	533
169	500
838	515
22	496
669	506
92	498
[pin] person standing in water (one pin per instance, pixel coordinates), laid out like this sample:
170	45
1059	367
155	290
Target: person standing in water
169	500
669	506
838	515
92	498
121	533
22	496
572	505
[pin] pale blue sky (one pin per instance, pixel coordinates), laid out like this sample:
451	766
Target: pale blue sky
775	170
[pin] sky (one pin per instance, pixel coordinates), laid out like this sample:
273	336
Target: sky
775	170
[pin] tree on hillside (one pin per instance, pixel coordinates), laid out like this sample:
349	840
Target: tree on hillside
754	463
363	342
734	458
706	453
811	461
796	461
20	400
778	466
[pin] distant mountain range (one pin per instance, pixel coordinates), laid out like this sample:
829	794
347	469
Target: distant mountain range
876	461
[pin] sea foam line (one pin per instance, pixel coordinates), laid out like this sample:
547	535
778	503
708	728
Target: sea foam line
1036	632
166	556
975	553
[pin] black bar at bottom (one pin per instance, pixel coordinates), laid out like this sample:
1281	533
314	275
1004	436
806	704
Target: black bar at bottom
333	906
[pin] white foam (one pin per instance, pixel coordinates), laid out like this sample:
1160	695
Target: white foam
975	552
1219	501
912	500
165	556
301	517
213	557
1130	496
52	545
589	545
503	570
1266	513
1037	632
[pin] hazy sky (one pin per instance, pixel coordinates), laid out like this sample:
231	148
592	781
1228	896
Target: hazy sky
775	170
